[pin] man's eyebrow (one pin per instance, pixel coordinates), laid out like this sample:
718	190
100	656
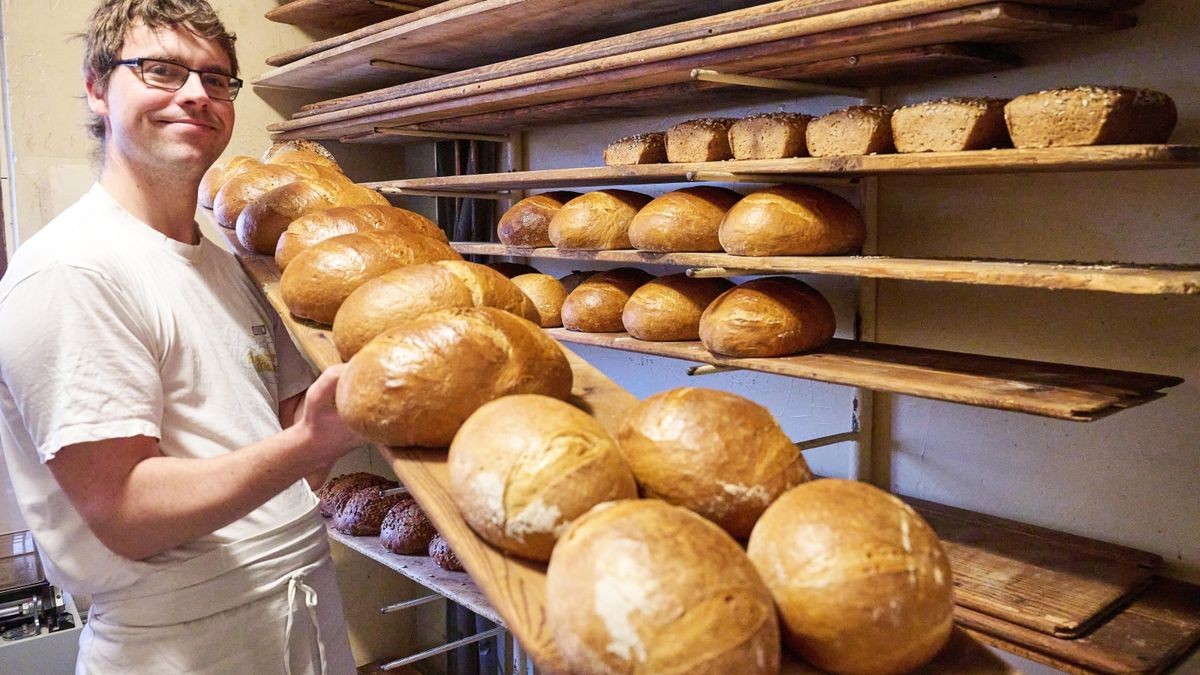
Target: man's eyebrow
207	67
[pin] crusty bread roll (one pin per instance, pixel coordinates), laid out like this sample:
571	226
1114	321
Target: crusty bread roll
264	220
521	468
596	221
647	148
406	529
315	227
406	293
669	307
324	275
527	223
861	582
792	220
1090	115
857	130
772	316
640	586
950	125
547	295
256	181
682	220
596	304
219	173
700	140
769	136
417	383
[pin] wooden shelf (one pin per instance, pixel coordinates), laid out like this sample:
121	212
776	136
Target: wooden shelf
341	16
666	56
1124	278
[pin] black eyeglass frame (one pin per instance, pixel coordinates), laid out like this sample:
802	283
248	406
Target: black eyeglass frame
235	84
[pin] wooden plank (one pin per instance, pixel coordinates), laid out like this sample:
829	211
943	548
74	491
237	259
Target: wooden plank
1038	388
1051	582
840	34
339	16
1160	626
1108	277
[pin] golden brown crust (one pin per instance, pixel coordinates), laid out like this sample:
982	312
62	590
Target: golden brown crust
772	316
264	220
769	136
700	140
547	295
315	227
682	220
220	173
645	148
856	130
596	220
792	220
669	307
239	191
596	304
1090	115
527	223
951	125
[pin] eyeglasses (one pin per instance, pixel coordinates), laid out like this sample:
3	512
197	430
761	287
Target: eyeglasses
172	76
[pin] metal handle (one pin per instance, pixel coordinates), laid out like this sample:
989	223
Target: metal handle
449	646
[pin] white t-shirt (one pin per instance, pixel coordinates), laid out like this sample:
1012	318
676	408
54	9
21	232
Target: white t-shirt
110	329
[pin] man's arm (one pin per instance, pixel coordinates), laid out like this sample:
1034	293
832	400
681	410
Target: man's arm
288	409
140	503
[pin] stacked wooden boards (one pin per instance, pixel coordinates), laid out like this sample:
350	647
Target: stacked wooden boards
342	16
758	39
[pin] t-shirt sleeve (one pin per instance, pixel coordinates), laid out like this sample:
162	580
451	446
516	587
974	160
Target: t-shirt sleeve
78	360
295	374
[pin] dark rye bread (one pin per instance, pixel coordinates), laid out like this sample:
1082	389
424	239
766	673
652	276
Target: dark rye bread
647	148
443	555
406	529
951	125
363	513
775	135
1090	115
337	490
700	140
857	130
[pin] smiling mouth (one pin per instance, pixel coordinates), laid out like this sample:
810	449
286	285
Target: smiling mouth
191	123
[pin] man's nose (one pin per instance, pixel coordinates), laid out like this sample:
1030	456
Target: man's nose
193	88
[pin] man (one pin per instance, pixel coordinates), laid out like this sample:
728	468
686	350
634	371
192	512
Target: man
151	410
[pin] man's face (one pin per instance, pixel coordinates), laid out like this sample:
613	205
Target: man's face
182	131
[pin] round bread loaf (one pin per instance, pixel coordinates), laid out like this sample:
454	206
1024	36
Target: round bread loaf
772	316
406	293
596	220
363	512
219	173
861	582
683	220
321	277
300	150
547	295
596	304
571	281
640	586
316	227
334	493
417	383
264	220
512	269
792	220
406	529
716	453
669	307
239	191
443	555
522	468
527	223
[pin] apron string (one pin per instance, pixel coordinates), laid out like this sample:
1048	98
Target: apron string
310	602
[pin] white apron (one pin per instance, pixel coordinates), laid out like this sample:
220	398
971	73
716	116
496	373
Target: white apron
265	604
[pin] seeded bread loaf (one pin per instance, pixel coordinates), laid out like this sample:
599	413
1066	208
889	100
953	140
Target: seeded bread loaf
771	316
338	490
300	150
648	148
951	125
1090	115
406	529
527	223
682	220
699	140
443	555
857	130
769	136
364	512
596	221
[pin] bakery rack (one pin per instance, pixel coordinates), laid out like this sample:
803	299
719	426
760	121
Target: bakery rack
342	16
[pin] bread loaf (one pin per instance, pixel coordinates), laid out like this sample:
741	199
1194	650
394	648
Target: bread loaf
772	316
522	468
950	125
857	130
647	148
597	220
264	220
861	582
404	294
219	173
300	150
363	513
596	304
715	453
415	384
669	307
700	140
527	223
547	295
321	277
640	586
682	220
443	555
256	181
406	529
769	136
1090	115
315	227
792	220
337	490
571	281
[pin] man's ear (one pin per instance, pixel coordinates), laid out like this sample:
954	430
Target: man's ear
97	94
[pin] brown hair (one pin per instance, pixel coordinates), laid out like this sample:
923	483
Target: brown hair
112	19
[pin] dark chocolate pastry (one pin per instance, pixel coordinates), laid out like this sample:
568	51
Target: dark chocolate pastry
363	513
439	550
406	530
334	493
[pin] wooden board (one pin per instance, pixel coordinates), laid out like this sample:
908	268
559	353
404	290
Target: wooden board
340	16
1051	390
1152	633
1113	278
824	37
1051	582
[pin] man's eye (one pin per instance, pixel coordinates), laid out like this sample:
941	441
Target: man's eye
214	80
160	70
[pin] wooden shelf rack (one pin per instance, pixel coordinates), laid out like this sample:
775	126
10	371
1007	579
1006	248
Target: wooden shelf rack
341	16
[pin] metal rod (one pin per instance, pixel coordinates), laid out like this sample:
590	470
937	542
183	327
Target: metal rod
416	602
395	491
405	68
449	646
827	440
706	75
449	194
442	135
721	272
709	369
